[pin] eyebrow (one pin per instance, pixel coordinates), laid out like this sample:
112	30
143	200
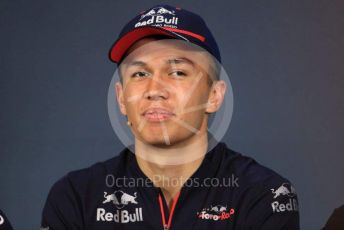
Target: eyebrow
136	63
178	60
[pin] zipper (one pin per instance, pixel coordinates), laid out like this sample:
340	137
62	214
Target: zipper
167	225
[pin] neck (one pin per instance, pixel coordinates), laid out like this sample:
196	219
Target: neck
170	167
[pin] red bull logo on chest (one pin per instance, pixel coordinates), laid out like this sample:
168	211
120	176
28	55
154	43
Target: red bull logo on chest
120	200
120	216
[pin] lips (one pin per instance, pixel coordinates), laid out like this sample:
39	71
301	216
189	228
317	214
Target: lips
157	114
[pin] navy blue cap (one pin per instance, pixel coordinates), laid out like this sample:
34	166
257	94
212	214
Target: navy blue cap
169	21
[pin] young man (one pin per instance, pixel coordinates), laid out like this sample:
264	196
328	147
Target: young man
169	85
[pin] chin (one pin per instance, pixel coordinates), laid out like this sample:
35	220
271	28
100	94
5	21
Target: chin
158	139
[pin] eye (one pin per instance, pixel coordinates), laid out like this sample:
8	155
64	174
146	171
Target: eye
139	74
178	73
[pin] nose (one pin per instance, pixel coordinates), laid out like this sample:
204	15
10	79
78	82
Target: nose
156	89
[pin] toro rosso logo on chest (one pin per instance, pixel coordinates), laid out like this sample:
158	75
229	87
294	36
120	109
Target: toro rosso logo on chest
216	213
120	198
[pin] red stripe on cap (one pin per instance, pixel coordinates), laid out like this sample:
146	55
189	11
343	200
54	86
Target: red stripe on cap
121	46
199	37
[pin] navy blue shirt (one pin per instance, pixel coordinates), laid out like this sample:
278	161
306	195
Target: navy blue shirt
227	191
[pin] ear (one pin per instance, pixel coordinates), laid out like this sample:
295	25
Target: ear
120	98
216	96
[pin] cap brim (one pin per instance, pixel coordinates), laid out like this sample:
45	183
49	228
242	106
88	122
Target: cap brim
123	44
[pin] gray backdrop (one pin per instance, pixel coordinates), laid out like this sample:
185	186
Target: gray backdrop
285	59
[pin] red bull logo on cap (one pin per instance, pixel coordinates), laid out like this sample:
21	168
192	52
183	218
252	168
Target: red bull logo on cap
157	18
157	11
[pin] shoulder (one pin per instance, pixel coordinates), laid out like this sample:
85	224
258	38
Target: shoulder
264	197
249	171
93	176
78	192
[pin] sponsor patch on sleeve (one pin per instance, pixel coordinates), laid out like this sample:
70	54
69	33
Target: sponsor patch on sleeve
284	199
